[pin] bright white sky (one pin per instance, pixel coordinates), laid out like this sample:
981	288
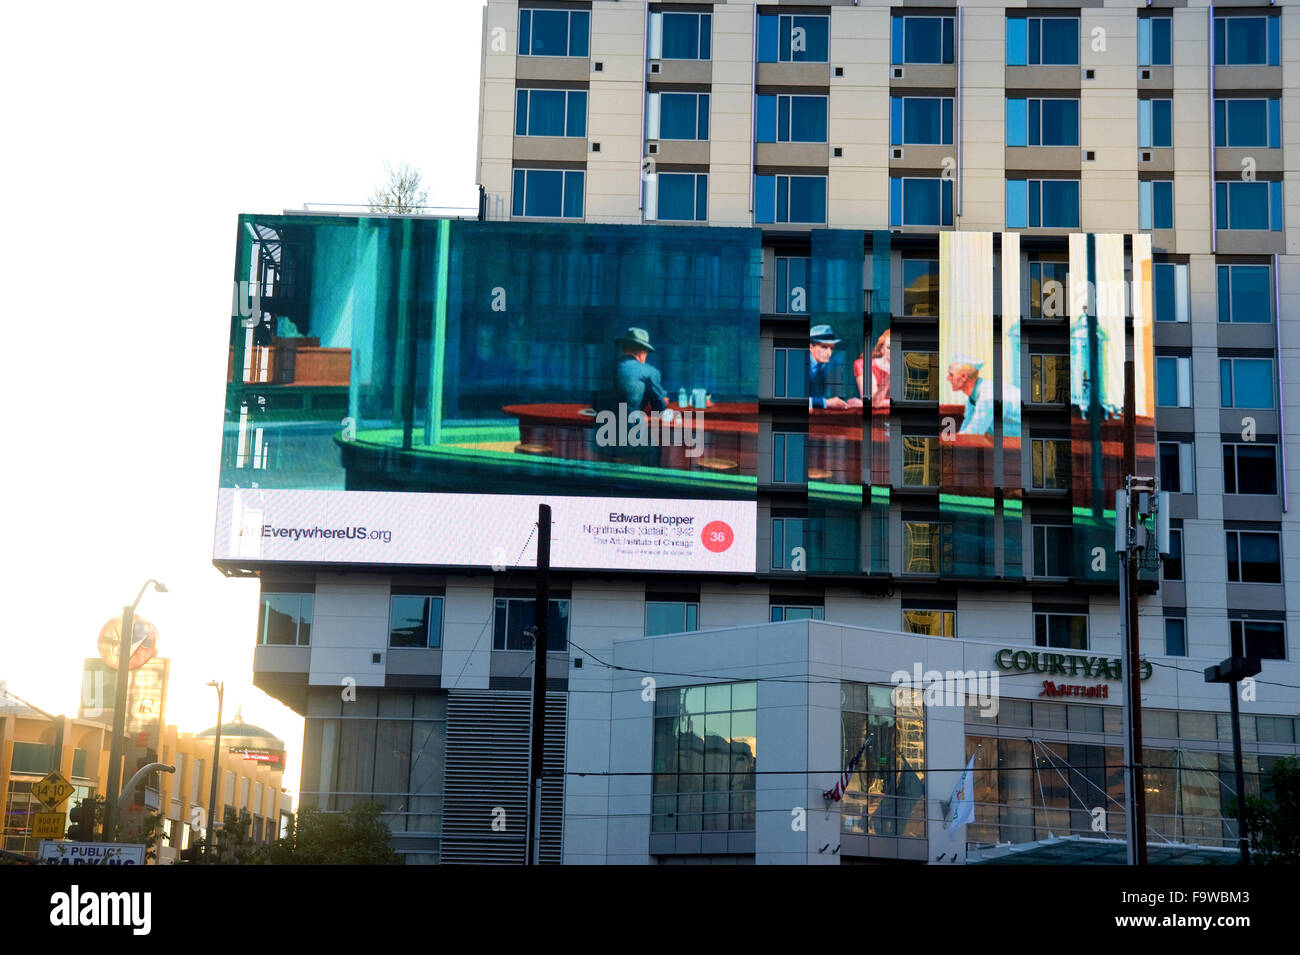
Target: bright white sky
133	137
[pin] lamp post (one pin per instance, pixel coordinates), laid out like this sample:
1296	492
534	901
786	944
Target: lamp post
1232	671
216	766
125	638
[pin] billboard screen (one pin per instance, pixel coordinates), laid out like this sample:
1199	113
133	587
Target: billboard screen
406	391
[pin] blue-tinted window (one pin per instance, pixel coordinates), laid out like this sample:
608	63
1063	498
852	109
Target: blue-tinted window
1246	382
670	616
788	462
414	621
1248	205
547	193
1175	637
1156	204
1042	122
1254	558
515	615
792	284
1245	293
1155	123
551	113
790	199
683	116
787	534
1165	292
685	36
1050	41
1247	41
286	619
791	119
783	612
1155	47
1248	122
915	201
918	39
553	32
682	196
783	38
920	120
1169	383
790	372
1042	203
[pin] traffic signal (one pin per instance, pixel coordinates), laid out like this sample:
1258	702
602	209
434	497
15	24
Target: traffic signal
83	822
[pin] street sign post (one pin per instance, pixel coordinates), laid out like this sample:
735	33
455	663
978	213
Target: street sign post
53	791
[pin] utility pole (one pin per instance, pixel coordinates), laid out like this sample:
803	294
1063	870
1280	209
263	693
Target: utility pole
1232	671
216	768
537	733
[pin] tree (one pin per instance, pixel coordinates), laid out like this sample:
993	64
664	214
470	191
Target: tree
402	193
355	837
1275	823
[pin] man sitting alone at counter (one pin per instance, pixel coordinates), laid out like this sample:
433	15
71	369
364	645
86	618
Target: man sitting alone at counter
821	346
636	385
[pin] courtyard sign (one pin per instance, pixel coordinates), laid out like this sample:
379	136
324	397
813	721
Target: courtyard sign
1065	664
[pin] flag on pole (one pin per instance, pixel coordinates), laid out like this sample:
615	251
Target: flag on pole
836	792
962	805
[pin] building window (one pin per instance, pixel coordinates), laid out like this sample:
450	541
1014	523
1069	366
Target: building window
285	620
1053	550
886	792
554	32
548	193
1248	122
921	39
920	121
1042	203
1246	382
1265	639
680	36
918	201
789	464
1253	206
1173	561
793	39
1249	469
1155	41
1047	285
1177	467
921	287
670	616
790	199
1050	41
790	366
677	116
1156	204
1254	557
927	547
920	376
920	461
1173	382
787	538
791	119
1247	41
1245	293
1049	379
550	112
414	621
1175	637
1068	631
1050	463
32	758
1155	123
515	615
792	284
705	758
1042	122
933	623
682	197
1170	291
783	612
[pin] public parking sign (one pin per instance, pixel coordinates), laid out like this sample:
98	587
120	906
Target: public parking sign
91	853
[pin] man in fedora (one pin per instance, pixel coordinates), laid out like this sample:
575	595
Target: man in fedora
636	382
821	346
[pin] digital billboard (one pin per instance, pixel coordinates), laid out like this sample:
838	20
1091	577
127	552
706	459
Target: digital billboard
407	391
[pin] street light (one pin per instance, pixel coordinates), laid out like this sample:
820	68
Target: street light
125	646
1232	671
216	764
